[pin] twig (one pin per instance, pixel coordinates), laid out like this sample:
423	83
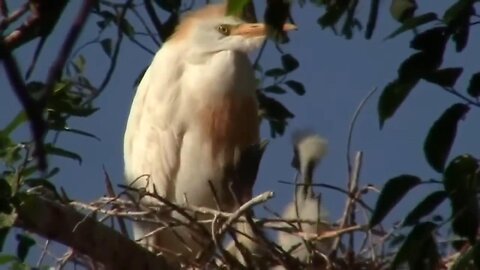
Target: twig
461	96
155	20
353	187
142	21
111	192
31	107
352	127
244	208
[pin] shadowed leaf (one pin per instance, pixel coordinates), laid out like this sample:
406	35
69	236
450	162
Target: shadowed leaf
461	180
52	150
411	23
15	123
474	85
107	46
289	62
446	77
441	136
372	18
425	207
392	97
419	249
25	242
275	72
393	191
275	89
297	87
432	40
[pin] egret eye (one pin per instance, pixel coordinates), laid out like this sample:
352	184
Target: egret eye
224	29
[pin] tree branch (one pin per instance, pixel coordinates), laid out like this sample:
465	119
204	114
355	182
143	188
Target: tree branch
64	224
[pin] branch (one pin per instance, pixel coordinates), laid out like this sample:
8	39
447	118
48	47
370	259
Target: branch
65	225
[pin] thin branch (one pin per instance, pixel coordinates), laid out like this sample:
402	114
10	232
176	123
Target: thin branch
461	96
155	20
352	127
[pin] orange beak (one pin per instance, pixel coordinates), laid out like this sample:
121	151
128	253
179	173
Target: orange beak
257	29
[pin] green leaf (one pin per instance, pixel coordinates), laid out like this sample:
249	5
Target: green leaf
392	97
440	138
5	196
275	72
235	7
289	63
25	242
5	259
461	180
52	150
419	249
297	87
15	123
413	22
474	85
425	207
107	46
275	89
468	258
79	64
393	191
446	77
402	10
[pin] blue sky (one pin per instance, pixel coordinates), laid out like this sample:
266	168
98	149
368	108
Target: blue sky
337	74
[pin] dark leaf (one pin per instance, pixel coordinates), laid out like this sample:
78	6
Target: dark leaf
15	123
25	242
393	191
276	14
275	112
275	72
419	65
456	11
372	18
5	196
460	36
397	240
441	136
474	86
174	5
425	207
127	28
107	46
411	23
402	10
419	249
392	97
432	40
446	77
52	150
289	62
333	14
274	89
297	87
461	180
81	132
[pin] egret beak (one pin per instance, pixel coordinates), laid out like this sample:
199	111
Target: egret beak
257	29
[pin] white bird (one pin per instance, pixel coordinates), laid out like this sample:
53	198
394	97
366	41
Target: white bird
309	150
194	111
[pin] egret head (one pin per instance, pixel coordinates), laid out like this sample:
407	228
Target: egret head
209	30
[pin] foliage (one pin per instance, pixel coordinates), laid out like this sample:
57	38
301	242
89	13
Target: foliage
67	93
